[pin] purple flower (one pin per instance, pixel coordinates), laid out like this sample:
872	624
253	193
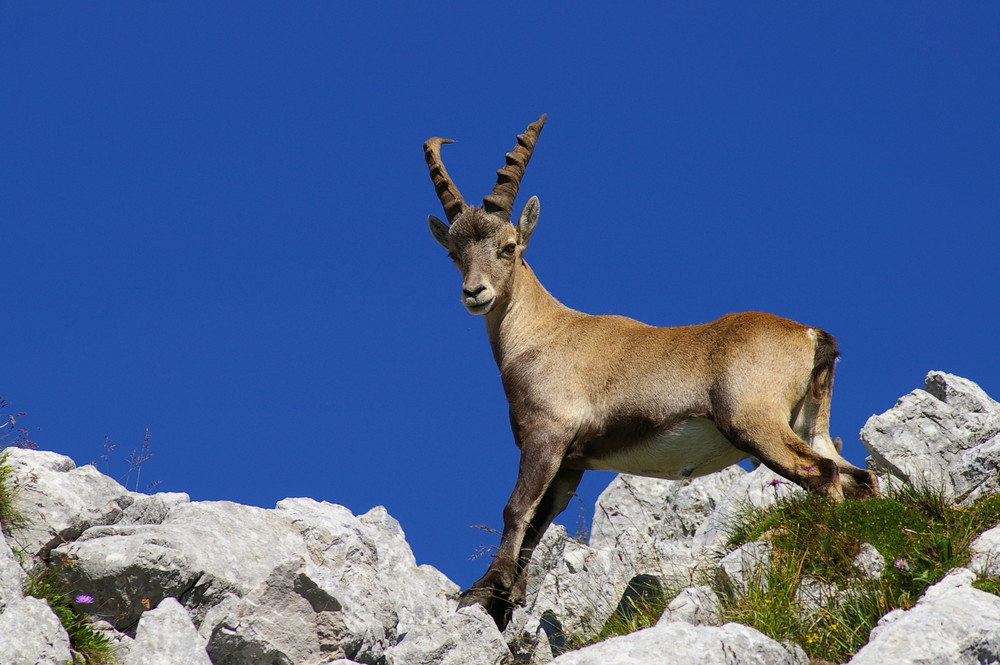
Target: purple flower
902	564
84	599
775	482
807	467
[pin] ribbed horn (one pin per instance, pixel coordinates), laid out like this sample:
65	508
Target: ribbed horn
446	190
501	201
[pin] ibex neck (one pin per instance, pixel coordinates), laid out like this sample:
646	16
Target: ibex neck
525	319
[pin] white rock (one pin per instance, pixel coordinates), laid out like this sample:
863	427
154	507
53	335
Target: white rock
460	638
698	605
60	500
289	618
680	642
203	553
986	553
302	582
869	562
151	508
368	566
946	436
580	584
11	576
641	526
758	489
952	624
166	636
30	634
748	565
812	594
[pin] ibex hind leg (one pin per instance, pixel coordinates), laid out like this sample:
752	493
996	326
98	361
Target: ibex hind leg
782	451
811	422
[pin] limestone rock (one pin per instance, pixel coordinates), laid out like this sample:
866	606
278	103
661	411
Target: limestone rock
151	508
986	553
681	642
748	565
581	585
202	553
466	636
11	576
166	636
303	582
758	489
30	634
697	605
60	500
945	436
869	562
952	624
651	523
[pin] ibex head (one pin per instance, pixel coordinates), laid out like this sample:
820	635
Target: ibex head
483	242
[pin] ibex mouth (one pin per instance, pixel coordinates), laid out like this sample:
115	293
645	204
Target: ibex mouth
475	307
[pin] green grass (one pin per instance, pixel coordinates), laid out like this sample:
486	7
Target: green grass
93	647
919	534
10	517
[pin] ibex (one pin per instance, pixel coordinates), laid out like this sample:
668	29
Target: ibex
607	392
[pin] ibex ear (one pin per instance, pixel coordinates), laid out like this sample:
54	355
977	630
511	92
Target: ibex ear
439	230
529	217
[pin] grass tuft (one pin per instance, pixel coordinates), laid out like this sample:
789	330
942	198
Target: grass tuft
93	647
11	518
919	533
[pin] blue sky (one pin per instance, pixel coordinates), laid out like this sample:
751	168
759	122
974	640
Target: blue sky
214	221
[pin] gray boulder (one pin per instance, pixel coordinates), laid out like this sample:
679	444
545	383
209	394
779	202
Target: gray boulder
457	638
202	553
31	634
748	565
166	636
742	492
869	562
952	624
946	436
698	605
60	500
986	553
304	582
11	576
681	642
652	523
581	585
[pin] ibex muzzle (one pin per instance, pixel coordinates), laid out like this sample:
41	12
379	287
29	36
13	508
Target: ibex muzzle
611	393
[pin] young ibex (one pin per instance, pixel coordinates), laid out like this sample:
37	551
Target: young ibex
607	392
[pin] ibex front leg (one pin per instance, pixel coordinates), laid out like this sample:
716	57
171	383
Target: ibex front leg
541	492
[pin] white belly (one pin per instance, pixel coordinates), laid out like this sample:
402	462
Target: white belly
692	448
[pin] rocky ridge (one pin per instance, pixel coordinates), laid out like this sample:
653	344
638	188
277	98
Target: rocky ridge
309	583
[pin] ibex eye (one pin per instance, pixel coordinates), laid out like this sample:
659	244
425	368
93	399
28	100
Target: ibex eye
509	248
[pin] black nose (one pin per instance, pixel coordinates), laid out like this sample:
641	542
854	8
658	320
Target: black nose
474	291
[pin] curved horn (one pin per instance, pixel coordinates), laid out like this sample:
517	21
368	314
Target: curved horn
446	190
501	201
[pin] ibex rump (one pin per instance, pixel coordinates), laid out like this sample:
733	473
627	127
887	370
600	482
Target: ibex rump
607	392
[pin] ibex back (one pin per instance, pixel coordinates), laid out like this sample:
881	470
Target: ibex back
611	393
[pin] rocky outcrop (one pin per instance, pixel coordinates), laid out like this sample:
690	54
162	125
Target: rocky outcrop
681	642
952	624
945	436
310	583
305	582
